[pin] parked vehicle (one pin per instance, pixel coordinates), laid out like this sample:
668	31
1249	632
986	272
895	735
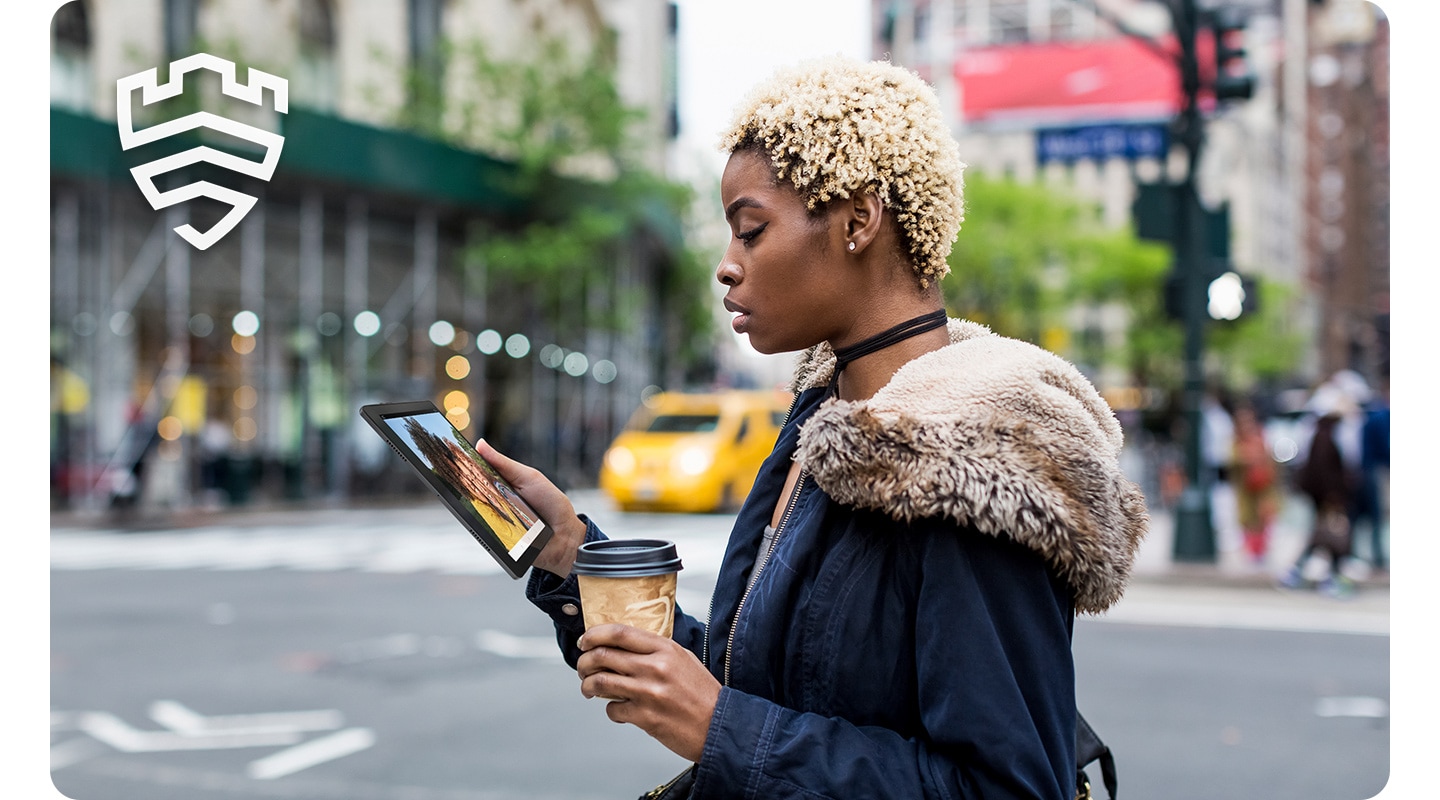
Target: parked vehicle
695	453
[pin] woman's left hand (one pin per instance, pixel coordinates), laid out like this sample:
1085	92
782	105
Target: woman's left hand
652	683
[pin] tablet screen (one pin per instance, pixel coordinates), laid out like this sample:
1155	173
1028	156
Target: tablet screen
478	494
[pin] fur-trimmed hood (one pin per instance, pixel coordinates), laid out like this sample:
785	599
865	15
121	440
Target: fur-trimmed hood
991	432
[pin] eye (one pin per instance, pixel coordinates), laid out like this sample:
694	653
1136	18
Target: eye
749	235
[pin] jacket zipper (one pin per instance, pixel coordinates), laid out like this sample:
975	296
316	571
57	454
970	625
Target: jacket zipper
659	791
764	560
710	616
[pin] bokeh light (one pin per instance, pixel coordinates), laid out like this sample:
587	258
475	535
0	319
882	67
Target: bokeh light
242	344
244	429
170	428
367	323
517	346
442	333
328	324
121	323
457	367
489	341
604	371
456	400
576	364
246	397
202	325
245	323
458	417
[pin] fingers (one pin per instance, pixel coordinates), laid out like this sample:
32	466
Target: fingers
549	502
652	683
511	470
613	656
624	637
613	650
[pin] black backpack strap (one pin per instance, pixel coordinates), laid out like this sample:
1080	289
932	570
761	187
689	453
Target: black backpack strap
1089	749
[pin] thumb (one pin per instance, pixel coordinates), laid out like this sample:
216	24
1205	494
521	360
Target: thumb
509	469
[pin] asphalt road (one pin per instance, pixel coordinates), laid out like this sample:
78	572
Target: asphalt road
379	657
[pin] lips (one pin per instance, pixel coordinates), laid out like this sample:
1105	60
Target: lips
742	315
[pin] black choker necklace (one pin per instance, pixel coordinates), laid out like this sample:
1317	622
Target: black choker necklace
883	339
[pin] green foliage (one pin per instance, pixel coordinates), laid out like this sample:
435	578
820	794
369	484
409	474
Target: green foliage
1006	260
1028	254
557	115
544	110
1029	258
1266	345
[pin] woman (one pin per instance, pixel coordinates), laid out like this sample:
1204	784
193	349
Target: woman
894	611
1254	473
1330	484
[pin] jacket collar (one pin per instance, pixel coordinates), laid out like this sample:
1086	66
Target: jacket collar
994	433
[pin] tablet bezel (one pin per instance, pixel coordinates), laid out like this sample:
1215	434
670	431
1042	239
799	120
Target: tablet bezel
378	415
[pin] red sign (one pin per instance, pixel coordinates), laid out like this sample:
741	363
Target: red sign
1066	82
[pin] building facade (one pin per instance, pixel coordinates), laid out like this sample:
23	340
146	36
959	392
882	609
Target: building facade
184	377
1302	166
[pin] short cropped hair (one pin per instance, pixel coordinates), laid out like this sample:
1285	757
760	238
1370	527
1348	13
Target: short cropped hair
835	126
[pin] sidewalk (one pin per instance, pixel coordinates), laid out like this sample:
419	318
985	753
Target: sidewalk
1155	562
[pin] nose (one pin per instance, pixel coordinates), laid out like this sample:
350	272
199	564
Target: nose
728	272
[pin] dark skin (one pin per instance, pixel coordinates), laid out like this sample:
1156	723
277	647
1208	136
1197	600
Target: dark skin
793	280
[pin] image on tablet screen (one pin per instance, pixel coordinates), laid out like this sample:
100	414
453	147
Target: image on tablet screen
457	465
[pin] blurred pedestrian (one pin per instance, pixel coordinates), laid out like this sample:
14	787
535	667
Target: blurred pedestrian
1217	431
1330	483
1373	497
894	612
1255	478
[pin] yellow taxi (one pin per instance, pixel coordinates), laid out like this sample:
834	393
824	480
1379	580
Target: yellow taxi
695	453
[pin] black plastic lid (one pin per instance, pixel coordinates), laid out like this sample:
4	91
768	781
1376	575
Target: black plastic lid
627	558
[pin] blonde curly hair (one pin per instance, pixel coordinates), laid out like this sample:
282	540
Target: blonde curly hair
835	126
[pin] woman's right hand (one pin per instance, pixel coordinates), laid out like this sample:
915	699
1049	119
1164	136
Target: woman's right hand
549	502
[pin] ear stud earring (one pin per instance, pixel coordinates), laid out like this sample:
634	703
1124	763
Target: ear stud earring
852	247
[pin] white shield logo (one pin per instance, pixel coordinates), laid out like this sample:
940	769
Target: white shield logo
152	91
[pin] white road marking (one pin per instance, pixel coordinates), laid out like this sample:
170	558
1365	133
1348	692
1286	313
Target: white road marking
510	646
184	721
392	646
316	751
115	732
73	752
1369	707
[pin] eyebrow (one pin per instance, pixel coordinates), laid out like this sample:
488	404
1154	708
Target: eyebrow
739	203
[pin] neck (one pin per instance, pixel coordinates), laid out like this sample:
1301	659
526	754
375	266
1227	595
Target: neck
869	368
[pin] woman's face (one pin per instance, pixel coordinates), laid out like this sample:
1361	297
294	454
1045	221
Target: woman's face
784	268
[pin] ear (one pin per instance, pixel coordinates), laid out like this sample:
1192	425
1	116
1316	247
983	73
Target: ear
863	213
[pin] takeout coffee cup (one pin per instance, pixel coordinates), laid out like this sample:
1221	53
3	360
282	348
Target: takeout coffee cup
629	581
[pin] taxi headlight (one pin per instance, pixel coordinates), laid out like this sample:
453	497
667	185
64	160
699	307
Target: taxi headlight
620	461
693	461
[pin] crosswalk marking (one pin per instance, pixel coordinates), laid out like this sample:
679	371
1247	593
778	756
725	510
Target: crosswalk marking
308	754
418	540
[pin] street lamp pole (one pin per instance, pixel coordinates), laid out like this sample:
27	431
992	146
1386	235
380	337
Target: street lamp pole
1194	532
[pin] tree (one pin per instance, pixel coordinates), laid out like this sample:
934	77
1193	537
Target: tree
594	259
556	113
1030	260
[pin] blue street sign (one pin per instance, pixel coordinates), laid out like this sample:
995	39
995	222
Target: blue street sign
1101	142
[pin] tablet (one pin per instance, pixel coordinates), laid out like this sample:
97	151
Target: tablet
474	492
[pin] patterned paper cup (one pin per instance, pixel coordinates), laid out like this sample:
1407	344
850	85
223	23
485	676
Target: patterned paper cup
629	581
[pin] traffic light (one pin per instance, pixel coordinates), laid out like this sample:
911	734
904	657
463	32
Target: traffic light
1228	294
1234	79
1231	295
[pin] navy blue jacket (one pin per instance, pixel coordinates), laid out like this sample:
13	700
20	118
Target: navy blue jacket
876	657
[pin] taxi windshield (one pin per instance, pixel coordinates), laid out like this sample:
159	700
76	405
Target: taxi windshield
683	423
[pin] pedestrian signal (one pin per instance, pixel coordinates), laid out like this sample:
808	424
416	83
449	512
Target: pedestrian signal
1231	296
1234	80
